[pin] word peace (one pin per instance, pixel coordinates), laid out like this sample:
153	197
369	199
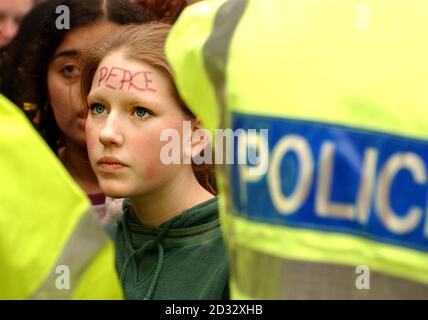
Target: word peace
118	78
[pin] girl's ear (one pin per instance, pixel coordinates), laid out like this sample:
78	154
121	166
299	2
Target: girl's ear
200	138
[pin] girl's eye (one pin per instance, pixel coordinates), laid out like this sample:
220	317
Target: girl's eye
141	112
70	71
97	108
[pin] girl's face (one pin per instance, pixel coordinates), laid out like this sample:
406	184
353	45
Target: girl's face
63	78
131	104
11	14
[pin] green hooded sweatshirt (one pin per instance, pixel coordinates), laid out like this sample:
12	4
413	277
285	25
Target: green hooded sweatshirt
185	258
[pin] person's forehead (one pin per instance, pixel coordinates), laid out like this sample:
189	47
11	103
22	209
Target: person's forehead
117	59
117	64
16	7
119	72
82	38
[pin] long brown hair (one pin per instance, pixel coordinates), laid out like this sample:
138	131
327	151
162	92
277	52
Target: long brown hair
143	43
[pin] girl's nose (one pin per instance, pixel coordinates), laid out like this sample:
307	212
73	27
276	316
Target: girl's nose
110	133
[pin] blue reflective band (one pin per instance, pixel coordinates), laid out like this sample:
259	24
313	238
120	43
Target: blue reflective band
333	178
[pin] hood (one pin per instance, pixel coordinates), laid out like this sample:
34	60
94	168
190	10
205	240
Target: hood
190	226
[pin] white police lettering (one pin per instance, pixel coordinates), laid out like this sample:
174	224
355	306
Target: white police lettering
323	207
392	222
249	144
373	192
367	184
298	145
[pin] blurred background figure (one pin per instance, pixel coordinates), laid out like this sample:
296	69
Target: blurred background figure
11	14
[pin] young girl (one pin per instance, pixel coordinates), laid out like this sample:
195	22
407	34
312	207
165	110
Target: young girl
168	241
41	73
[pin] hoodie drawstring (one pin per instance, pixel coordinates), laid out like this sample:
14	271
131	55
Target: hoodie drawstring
140	251
155	279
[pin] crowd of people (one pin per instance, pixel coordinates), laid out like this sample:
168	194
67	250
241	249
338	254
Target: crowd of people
103	93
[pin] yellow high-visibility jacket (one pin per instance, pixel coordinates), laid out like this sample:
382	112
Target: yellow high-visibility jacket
51	246
335	205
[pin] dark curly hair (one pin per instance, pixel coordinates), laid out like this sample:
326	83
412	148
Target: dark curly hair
162	10
24	62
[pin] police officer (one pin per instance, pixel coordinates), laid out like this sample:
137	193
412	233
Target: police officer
51	246
340	211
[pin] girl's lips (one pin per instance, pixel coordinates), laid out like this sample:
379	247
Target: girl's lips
110	160
110	166
111	163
